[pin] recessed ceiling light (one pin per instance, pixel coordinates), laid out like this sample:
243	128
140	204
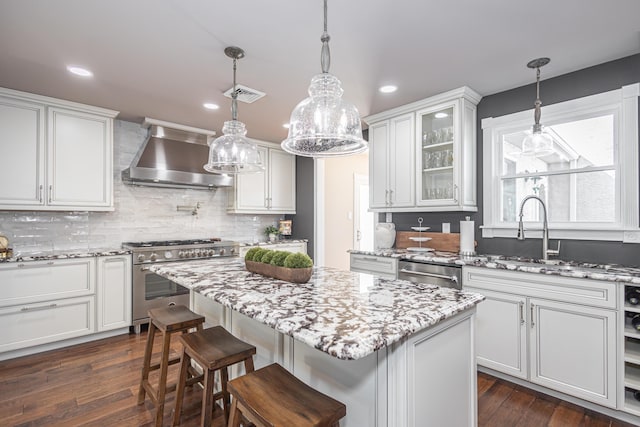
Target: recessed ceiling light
210	106
388	89
441	115
286	125
79	71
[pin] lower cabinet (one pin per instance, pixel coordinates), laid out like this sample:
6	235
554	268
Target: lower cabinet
557	332
45	322
114	292
49	301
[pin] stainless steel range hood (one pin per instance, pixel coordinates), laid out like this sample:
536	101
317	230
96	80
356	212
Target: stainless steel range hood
172	156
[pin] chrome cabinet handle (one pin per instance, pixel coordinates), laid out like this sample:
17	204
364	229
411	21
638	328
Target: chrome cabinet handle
368	258
455	193
386	197
50	192
390	197
43	307
40	193
521	304
438	276
533	323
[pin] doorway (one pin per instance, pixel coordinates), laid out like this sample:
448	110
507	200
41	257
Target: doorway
363	220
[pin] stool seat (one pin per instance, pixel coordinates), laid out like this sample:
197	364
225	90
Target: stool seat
273	397
214	349
174	318
168	321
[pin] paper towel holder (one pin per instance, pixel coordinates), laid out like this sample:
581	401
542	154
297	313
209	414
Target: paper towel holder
466	253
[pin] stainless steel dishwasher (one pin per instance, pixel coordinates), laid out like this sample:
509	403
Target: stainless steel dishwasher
449	276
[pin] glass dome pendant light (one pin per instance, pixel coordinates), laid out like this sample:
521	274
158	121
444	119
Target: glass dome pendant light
233	153
538	143
324	125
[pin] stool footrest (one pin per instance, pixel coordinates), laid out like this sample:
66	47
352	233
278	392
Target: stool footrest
156	366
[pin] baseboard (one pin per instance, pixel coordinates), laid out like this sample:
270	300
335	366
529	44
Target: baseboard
61	344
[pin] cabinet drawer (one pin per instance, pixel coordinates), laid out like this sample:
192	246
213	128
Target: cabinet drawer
379	265
551	287
32	324
30	282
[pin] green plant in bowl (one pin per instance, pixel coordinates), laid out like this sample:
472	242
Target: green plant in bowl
279	257
267	256
298	260
257	255
251	253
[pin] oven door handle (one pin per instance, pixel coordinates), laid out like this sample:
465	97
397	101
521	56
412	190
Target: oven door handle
438	276
144	268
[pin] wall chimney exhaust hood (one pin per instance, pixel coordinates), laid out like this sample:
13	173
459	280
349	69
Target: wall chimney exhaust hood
172	156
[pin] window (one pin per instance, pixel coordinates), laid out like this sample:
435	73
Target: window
589	181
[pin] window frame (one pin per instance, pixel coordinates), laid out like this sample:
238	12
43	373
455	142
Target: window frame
623	103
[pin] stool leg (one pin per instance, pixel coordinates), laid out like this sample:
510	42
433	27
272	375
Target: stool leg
226	400
248	365
147	362
162	385
207	398
234	417
184	368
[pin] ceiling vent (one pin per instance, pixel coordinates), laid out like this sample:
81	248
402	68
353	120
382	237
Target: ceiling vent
245	94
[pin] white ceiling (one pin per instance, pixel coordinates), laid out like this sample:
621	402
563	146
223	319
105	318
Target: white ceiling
164	58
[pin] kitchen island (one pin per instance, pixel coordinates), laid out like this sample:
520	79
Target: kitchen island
396	353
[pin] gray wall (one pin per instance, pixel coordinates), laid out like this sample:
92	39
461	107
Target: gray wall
601	78
303	220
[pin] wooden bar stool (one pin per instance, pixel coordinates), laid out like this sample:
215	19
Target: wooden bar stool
214	349
272	397
168	320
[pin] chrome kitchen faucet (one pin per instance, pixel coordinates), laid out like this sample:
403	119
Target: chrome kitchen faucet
545	229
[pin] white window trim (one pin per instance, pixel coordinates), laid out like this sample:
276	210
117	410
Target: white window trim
626	229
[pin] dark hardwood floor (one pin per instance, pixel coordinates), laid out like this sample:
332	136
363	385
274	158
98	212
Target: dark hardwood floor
96	384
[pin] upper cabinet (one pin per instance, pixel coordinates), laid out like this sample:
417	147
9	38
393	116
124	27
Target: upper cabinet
271	191
423	155
58	153
391	157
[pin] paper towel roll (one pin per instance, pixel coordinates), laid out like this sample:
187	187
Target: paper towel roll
467	237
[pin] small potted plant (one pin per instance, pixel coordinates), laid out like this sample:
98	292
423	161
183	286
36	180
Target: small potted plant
271	231
283	265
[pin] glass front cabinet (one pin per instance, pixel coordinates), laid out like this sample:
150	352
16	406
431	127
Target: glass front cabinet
445	152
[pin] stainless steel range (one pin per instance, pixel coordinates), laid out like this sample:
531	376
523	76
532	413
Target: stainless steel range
152	291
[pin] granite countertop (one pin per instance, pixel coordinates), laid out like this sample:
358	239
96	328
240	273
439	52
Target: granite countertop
609	272
44	256
347	315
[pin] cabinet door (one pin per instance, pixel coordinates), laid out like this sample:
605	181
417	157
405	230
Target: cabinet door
378	161
573	350
401	164
114	292
80	165
39	323
501	334
282	183
22	159
251	188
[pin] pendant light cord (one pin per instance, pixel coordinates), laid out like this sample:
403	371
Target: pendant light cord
537	113
325	55
234	95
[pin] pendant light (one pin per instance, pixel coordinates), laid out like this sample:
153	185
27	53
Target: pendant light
538	143
324	125
233	152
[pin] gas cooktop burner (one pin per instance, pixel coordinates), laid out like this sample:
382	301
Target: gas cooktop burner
156	243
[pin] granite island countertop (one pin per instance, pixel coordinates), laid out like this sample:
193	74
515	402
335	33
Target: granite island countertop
345	314
608	272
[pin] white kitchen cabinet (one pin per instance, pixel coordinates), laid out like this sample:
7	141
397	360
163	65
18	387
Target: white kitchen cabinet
391	160
423	155
60	154
381	266
557	332
114	292
270	191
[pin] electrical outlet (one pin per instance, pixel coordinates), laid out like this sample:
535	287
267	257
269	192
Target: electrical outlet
446	227
388	217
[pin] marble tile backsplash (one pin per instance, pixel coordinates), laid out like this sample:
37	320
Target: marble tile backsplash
141	213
